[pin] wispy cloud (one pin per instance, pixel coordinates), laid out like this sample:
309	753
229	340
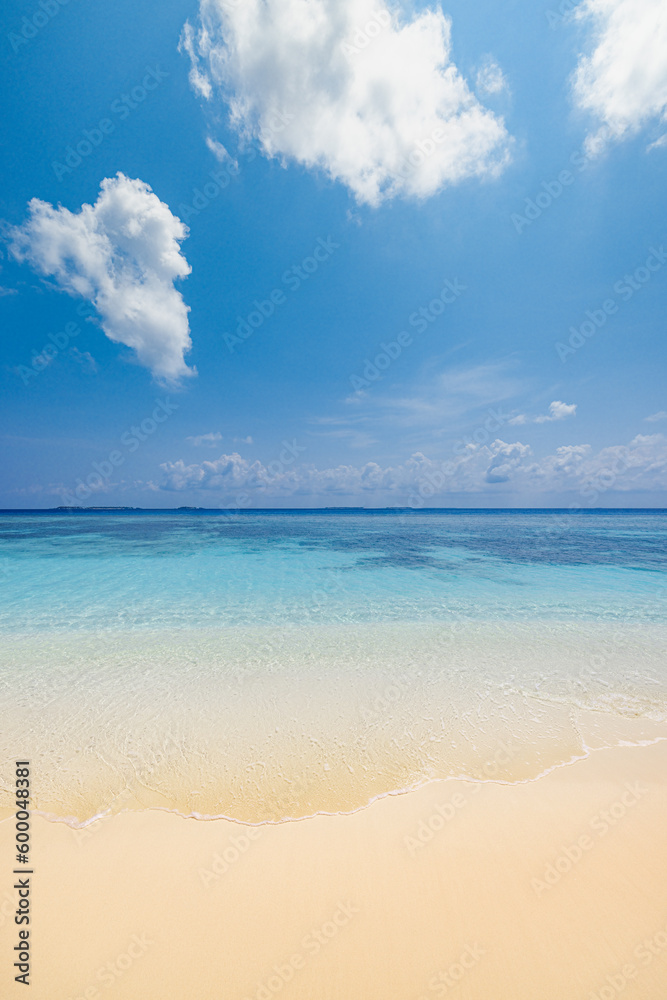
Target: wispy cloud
340	429
655	417
85	359
217	149
437	399
209	440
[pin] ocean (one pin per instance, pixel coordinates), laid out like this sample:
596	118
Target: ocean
265	665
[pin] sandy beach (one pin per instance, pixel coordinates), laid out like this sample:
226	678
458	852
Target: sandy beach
553	888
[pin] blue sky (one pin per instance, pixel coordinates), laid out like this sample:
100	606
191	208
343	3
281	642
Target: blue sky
323	201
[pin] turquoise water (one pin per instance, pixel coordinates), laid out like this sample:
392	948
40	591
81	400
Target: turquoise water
174	570
272	664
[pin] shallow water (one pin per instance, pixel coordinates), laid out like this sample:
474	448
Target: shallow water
270	665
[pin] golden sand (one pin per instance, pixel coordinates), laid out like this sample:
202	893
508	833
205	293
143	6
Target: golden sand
553	889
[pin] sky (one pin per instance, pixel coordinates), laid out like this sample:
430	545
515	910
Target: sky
319	253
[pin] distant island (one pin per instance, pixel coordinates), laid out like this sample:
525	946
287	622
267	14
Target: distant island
98	508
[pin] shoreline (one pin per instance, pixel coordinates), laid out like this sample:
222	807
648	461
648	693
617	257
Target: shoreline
558	881
78	824
153	784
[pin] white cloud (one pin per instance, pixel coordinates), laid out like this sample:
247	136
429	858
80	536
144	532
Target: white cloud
655	417
506	459
210	439
471	468
123	255
217	149
382	109
557	411
490	78
623	81
245	440
187	44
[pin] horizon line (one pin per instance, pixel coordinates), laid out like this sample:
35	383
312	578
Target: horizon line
297	510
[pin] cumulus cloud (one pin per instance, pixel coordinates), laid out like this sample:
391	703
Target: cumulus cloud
506	458
123	255
623	81
471	468
557	411
349	87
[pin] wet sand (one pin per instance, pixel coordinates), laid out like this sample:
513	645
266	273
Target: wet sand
554	889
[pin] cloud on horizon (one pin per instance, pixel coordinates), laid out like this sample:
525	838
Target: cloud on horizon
470	468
